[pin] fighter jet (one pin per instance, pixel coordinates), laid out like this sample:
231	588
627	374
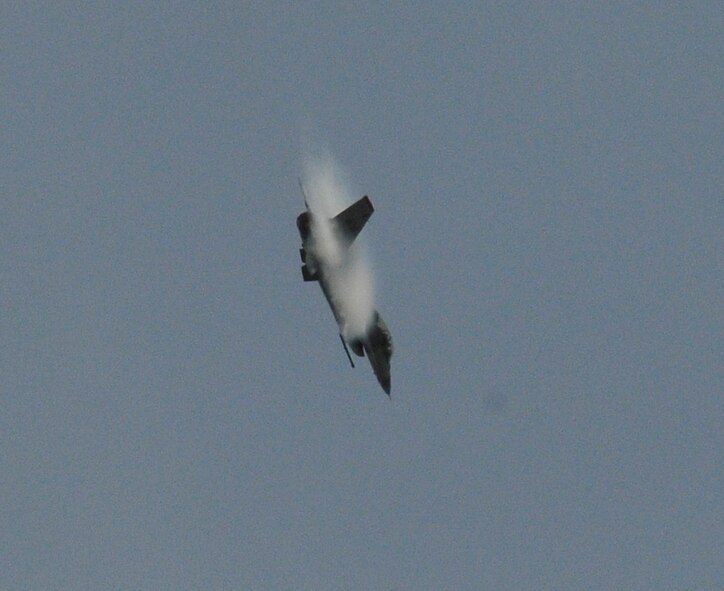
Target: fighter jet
317	265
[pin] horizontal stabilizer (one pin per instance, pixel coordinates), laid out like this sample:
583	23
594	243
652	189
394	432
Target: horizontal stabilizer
308	276
352	220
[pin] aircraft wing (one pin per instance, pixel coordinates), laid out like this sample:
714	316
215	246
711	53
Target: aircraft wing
352	220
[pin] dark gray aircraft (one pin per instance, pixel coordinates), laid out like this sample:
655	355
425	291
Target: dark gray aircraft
376	342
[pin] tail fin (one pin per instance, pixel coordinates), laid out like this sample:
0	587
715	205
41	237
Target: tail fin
352	220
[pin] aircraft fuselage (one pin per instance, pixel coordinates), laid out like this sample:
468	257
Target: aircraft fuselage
375	341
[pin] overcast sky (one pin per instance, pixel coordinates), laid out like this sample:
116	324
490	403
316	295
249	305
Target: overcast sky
176	411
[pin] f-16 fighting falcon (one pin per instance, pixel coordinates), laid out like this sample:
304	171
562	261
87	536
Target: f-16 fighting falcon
325	249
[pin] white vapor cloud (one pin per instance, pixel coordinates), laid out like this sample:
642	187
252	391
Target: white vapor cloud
351	282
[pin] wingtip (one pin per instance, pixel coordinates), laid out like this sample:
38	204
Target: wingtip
304	194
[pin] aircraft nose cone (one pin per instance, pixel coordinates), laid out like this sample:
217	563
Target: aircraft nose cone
386	386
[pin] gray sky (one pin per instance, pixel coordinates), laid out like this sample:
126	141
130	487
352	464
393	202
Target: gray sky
175	407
